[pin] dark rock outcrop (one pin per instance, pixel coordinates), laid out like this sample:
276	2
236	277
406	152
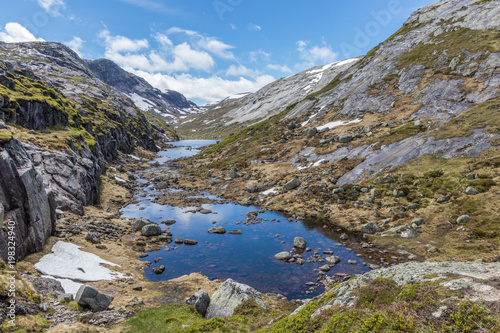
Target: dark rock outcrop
28	208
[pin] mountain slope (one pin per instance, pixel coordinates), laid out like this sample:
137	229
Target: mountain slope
236	111
169	105
59	127
408	131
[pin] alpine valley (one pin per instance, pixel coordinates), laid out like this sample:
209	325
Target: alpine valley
393	155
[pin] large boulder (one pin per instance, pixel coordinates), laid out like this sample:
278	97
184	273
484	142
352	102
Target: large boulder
88	296
200	300
151	230
229	295
138	224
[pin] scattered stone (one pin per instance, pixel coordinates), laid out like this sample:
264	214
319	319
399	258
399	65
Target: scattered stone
283	256
137	288
310	132
217	230
352	262
443	199
168	222
345	138
159	270
299	243
413	206
255	188
370	228
332	260
190	242
179	241
464	219
292	184
300	261
88	296
471	191
92	237
235	232
325	268
233	173
65	298
228	296
418	222
344	237
200	300
101	247
410	233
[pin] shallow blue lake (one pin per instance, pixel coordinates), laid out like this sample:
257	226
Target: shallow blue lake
247	258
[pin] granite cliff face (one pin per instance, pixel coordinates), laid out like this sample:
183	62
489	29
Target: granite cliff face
26	208
59	126
171	105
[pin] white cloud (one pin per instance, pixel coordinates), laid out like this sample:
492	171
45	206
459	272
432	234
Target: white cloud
233	27
210	44
254	27
14	32
52	6
122	44
256	55
182	57
315	55
209	89
76	45
241	70
281	68
153	6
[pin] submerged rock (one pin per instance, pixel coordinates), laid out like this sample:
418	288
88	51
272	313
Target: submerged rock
284	256
217	230
299	242
229	295
159	270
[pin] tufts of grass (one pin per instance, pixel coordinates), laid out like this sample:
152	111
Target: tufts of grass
167	319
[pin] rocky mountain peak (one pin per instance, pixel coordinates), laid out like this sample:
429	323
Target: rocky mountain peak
169	104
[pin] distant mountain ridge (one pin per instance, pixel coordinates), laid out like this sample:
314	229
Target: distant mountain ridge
169	104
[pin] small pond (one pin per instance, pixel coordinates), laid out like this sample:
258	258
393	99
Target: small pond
247	258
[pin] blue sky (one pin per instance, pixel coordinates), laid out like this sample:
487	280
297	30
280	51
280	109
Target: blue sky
209	49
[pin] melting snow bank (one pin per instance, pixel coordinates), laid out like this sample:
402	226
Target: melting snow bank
67	262
338	123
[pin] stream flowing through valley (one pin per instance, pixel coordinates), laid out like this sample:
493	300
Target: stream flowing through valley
247	256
